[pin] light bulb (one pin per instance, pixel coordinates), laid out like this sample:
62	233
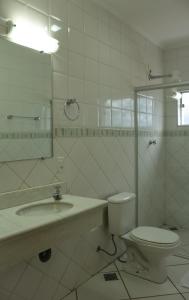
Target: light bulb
35	37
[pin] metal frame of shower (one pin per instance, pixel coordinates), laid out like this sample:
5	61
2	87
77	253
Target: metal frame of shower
136	91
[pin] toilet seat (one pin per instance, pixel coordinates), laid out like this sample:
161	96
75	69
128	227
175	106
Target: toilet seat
153	236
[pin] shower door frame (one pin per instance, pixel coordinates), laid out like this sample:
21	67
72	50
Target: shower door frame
136	91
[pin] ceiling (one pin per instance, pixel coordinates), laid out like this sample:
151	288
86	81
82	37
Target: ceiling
164	22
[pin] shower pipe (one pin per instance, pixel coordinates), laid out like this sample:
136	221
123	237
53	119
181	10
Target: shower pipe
161	86
141	89
152	77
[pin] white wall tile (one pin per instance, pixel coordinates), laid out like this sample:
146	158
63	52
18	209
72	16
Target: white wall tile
29	283
91	70
59	9
75	17
90	25
91	47
76	65
76	41
43	5
60	84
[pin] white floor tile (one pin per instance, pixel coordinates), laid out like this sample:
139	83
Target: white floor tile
138	287
98	288
166	297
175	260
71	296
176	273
110	268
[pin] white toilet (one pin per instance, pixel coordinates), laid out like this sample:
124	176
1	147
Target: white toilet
147	247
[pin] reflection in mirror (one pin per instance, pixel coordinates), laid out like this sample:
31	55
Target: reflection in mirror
25	103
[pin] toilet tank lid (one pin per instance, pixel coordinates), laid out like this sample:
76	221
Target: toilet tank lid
121	197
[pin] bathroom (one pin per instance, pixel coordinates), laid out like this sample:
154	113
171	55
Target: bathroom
94	118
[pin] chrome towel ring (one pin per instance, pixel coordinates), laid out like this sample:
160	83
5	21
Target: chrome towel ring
67	106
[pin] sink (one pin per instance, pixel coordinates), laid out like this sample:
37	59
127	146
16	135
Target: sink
44	209
46	221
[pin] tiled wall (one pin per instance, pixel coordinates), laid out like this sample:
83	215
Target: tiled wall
177	163
99	62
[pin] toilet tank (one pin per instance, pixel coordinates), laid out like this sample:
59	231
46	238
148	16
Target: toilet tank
121	213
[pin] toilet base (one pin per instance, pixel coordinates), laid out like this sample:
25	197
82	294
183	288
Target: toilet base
139	266
135	269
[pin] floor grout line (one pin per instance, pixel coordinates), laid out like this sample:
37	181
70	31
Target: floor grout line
175	286
76	295
122	281
181	264
157	296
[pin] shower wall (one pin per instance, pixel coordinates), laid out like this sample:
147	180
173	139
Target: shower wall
177	145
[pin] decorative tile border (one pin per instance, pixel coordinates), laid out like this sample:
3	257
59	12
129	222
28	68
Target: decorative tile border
24	135
93	132
177	132
112	132
164	133
150	133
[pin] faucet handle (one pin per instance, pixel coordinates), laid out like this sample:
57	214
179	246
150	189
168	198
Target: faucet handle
57	195
152	142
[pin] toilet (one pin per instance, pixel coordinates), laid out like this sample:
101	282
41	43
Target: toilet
147	247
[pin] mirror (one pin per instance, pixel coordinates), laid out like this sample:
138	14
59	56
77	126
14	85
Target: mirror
25	103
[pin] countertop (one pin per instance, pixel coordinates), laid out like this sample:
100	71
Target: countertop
13	225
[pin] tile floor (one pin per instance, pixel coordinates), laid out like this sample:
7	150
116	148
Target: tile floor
131	287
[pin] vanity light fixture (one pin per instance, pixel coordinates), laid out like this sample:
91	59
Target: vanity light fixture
32	36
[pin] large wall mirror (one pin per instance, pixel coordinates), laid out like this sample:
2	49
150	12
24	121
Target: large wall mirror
25	103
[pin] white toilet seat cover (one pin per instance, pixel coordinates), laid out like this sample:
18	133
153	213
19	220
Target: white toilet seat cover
154	235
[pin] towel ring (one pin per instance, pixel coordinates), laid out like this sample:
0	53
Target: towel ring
67	104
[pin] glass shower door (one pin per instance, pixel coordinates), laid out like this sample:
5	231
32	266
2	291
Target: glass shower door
163	159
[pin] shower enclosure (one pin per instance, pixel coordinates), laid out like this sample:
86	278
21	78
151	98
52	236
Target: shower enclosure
162	157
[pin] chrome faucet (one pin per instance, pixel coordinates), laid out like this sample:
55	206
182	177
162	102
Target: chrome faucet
57	195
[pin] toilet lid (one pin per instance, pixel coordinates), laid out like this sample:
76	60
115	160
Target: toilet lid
154	235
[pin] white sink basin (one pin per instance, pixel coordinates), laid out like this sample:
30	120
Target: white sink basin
44	209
